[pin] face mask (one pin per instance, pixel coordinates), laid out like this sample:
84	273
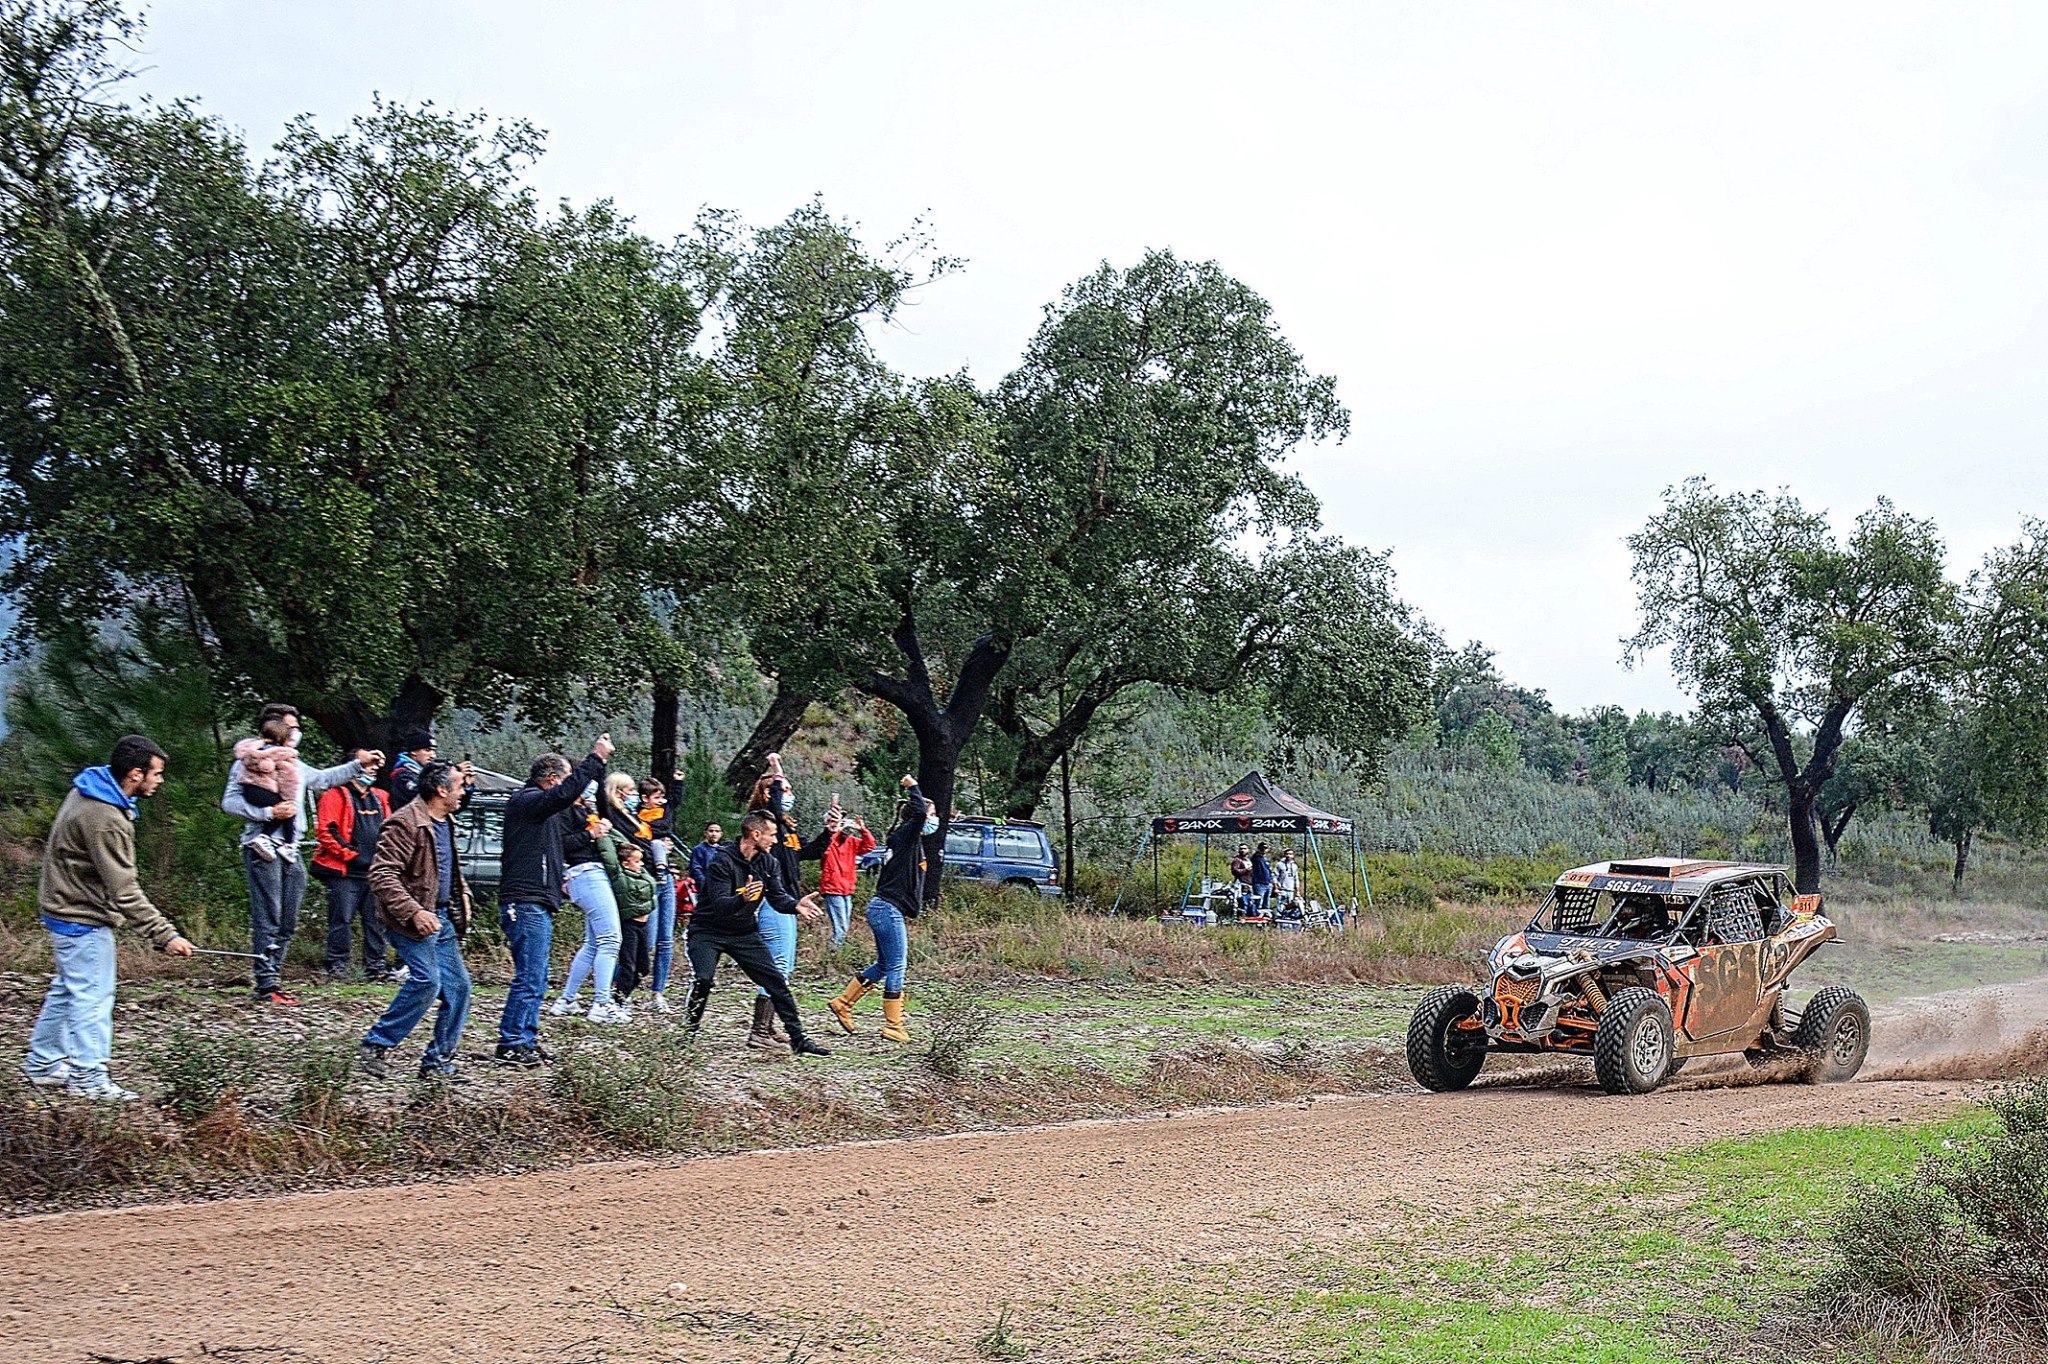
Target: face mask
364	780
590	793
785	799
292	739
931	825
631	803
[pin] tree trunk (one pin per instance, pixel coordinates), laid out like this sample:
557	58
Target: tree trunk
785	716
352	724
664	760
1039	754
1962	858
1805	838
942	731
1833	829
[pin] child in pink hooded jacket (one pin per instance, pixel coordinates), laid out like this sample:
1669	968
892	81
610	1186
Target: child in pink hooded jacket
270	776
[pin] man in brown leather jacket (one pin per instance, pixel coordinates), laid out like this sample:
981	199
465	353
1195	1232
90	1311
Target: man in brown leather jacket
422	898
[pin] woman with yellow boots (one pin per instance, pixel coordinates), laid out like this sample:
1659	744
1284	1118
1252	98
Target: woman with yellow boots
899	894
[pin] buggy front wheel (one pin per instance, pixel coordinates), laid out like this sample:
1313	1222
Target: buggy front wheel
1446	1047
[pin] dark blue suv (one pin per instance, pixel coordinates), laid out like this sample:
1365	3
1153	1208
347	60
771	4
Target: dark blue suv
1001	852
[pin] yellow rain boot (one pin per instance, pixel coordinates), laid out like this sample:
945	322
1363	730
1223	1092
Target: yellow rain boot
892	1018
842	1005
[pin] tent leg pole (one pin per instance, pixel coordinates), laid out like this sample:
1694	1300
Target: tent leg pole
1189	889
1316	847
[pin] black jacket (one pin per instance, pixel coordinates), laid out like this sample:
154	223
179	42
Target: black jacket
530	868
720	906
578	844
901	880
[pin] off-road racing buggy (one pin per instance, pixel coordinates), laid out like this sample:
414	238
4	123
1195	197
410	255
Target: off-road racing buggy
1642	965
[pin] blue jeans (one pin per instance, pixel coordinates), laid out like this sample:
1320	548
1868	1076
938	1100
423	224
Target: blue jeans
598	958
275	890
892	947
530	937
840	907
433	969
349	901
662	925
76	1027
778	930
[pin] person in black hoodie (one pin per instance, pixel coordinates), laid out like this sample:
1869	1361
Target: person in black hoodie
530	890
899	894
773	797
741	878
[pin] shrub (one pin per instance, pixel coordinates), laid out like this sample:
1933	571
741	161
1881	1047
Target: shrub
960	1019
634	1086
52	1148
1950	1261
199	1069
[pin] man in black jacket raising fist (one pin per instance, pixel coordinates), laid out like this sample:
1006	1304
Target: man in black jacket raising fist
741	876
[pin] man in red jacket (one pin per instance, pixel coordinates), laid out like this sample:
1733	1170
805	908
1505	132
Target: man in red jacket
346	824
843	851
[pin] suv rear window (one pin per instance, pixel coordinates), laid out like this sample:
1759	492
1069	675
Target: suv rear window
1019	845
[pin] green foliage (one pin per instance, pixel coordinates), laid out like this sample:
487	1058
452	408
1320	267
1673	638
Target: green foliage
959	1019
1951	1259
1771	620
200	1067
68	706
638	1088
364	415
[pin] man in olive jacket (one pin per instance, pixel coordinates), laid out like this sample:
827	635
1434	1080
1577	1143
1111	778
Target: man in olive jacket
89	890
422	898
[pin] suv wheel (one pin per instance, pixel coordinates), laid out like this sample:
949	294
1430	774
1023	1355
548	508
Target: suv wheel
1632	1049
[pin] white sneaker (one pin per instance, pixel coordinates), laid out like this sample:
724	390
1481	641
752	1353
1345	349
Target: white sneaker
106	1091
49	1079
607	1012
659	1003
265	850
565	1005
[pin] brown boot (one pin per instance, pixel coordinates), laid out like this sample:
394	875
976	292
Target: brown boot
892	1018
762	1036
842	1005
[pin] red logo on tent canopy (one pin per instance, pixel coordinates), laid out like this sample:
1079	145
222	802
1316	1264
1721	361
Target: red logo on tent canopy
1244	823
1171	824
1240	801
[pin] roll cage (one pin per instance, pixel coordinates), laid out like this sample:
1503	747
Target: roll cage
1739	909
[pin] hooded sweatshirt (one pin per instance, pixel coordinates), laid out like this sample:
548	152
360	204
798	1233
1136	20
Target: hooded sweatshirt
89	862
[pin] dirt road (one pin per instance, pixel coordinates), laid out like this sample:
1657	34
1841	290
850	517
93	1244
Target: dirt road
907	1246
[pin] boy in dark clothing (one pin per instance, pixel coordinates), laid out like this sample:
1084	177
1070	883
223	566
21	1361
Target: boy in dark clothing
530	890
741	877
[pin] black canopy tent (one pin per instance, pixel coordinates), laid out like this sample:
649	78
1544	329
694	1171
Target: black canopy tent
1254	806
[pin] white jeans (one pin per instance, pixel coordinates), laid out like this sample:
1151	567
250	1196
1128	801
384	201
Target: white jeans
598	958
75	1030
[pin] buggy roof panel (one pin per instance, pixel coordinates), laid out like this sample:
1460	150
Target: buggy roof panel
1253	806
1663	875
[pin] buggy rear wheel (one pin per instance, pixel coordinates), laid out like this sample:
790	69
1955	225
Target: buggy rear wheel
1835	1033
1441	1054
1632	1048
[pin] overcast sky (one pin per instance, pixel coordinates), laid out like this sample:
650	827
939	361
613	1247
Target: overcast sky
1559	256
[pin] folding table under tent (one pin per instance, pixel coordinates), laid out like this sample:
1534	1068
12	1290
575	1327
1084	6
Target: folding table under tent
1247	811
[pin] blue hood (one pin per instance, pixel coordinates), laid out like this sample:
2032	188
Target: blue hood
97	783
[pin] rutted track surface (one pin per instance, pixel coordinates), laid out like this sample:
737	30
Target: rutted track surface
908	1245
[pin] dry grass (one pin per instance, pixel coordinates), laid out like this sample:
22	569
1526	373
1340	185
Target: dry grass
983	934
